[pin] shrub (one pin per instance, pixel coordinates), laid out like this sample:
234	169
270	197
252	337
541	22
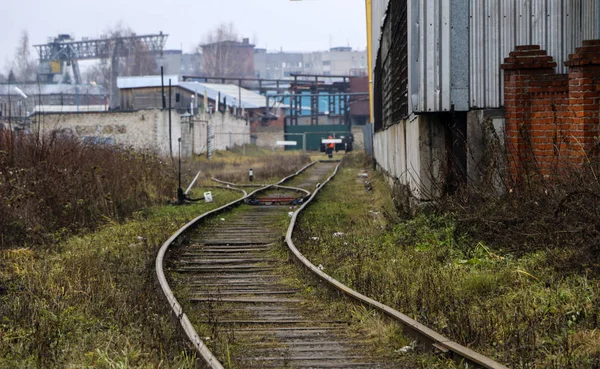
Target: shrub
52	185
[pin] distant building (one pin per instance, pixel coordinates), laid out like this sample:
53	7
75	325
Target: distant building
229	58
336	61
145	92
278	65
175	62
23	99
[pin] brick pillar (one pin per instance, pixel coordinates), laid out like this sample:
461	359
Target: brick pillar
523	70
584	101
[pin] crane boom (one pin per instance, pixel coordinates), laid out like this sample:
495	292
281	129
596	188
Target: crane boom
63	49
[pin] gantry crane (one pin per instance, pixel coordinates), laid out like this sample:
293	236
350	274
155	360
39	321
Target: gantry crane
64	50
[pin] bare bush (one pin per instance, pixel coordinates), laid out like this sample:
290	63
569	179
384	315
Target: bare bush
54	185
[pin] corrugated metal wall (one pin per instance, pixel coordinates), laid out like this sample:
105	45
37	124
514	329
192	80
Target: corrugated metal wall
496	27
378	16
438	69
457	46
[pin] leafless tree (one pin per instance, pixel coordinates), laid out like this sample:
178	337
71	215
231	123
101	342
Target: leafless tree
136	63
24	65
222	54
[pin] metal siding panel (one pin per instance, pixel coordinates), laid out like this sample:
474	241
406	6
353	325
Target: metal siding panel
568	36
379	8
445	56
539	15
414	55
592	24
497	26
508	19
477	47
459	53
422	62
492	65
596	13
555	31
430	75
523	33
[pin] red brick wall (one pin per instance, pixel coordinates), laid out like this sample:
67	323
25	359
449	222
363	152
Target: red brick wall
552	120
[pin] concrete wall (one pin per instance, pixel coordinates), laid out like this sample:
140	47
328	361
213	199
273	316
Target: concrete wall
412	154
142	129
359	137
267	136
485	149
226	131
149	129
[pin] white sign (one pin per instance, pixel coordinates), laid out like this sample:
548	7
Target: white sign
332	141
208	197
287	143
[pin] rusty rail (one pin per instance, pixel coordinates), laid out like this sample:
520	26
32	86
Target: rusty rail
207	356
437	340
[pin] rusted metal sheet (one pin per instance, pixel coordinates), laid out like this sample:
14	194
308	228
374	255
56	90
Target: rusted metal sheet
496	27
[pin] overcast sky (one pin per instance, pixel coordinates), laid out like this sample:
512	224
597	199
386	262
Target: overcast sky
306	25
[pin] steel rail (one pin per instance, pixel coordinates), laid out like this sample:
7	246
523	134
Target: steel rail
437	340
260	185
207	356
238	185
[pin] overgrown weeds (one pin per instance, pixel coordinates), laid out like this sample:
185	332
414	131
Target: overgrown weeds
95	303
466	270
52	186
268	167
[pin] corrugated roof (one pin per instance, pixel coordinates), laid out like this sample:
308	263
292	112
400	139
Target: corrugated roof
250	99
145	81
52	89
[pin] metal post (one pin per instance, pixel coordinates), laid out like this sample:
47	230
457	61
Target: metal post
207	141
180	194
162	83
240	97
304	142
170	139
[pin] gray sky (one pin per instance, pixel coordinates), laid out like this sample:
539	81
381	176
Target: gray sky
292	25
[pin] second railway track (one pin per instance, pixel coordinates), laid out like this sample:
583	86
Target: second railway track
231	279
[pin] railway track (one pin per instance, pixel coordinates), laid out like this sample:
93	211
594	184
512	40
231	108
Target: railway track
230	275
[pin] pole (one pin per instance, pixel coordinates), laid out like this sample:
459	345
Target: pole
180	194
179	141
162	83
170	139
369	6
240	97
207	141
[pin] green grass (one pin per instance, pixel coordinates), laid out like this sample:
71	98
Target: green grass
517	308
93	301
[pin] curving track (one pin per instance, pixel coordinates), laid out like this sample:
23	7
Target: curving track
232	279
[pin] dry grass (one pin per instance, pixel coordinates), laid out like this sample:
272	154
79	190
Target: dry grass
228	166
52	186
525	305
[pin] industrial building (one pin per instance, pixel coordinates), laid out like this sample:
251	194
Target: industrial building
335	61
20	100
439	87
